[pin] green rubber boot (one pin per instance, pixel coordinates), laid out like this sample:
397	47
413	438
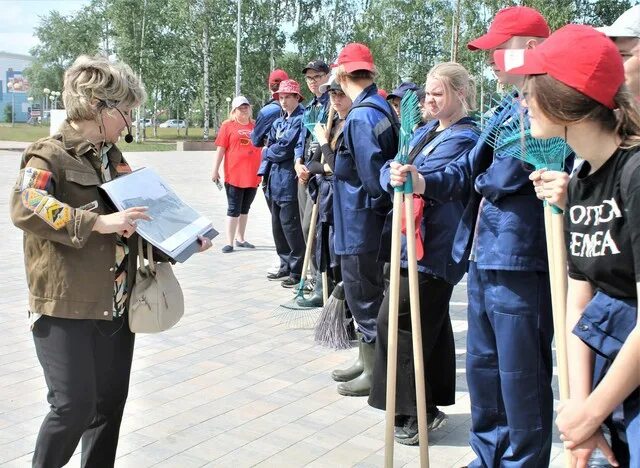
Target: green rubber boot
361	385
345	375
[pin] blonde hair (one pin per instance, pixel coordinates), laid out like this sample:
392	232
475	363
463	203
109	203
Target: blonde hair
456	81
91	78
233	115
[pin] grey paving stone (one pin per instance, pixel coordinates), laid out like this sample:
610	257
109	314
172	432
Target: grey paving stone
229	385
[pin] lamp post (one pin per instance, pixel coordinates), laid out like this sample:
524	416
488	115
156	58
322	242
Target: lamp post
45	92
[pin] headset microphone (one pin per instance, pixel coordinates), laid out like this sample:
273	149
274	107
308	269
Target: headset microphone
128	137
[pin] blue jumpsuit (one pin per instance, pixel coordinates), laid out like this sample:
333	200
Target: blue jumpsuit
510	328
360	206
282	192
437	272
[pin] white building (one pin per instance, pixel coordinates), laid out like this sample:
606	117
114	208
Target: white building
14	87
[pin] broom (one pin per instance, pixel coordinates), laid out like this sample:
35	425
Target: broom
291	314
409	118
334	329
514	139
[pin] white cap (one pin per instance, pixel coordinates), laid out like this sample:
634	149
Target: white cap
330	84
627	24
238	101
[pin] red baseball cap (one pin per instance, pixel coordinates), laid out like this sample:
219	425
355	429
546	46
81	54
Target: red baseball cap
354	57
288	87
576	55
383	93
277	75
512	22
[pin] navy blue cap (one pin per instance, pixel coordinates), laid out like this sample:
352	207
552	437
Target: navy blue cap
403	88
316	65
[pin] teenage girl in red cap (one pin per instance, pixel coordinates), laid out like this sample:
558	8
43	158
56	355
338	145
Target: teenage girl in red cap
589	106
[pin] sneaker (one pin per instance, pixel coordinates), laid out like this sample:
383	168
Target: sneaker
278	275
436	419
227	249
408	434
245	245
290	282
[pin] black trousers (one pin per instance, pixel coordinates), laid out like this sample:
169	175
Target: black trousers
438	347
87	364
287	235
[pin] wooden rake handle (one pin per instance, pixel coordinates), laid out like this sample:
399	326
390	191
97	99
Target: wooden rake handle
416	330
557	261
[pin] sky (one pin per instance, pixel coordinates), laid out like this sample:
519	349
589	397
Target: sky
20	17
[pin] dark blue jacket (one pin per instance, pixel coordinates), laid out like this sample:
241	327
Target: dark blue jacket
267	115
304	133
510	230
440	219
360	204
283	185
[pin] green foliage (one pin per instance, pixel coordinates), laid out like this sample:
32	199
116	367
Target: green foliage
8	112
164	41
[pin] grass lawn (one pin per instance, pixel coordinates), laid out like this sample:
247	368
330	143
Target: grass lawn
165	141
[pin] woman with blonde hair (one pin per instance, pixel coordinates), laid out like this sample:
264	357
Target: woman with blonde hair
589	106
450	95
241	163
80	259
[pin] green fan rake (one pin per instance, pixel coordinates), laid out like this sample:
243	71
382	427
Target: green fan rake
313	116
512	137
410	117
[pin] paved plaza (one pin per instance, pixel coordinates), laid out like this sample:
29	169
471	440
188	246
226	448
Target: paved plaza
230	385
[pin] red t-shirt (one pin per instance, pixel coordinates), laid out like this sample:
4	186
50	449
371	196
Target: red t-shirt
241	158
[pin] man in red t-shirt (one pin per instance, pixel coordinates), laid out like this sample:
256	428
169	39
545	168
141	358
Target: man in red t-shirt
241	162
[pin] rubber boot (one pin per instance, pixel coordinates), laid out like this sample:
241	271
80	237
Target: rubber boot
315	300
345	375
361	385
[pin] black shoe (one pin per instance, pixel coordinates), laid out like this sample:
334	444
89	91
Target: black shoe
245	245
227	249
408	434
290	282
277	276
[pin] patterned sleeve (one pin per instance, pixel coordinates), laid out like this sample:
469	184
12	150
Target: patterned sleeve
36	210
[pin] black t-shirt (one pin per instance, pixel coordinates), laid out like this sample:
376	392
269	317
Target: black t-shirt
603	232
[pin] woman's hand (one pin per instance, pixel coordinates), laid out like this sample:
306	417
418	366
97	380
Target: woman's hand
302	172
205	243
576	422
215	175
320	131
582	453
121	222
551	186
399	174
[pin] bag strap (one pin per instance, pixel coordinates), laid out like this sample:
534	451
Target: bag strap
424	141
628	169
151	263
393	119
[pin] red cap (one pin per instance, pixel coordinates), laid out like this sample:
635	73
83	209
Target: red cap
576	55
512	22
288	87
354	57
277	75
383	93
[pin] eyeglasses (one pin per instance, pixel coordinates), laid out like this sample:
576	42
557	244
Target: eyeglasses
314	78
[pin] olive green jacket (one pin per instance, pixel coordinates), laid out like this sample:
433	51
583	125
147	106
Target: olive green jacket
70	268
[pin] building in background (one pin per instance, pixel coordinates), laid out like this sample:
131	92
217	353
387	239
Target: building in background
12	80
